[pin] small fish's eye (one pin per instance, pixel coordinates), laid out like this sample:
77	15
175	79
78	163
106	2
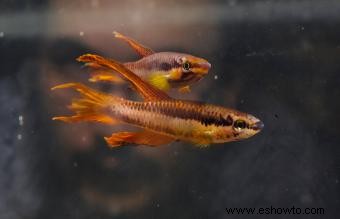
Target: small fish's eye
239	125
186	66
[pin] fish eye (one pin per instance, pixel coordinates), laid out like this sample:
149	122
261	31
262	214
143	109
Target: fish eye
239	125
186	66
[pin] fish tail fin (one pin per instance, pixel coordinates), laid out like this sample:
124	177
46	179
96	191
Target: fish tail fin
92	107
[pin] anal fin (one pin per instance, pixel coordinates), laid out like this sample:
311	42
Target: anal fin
145	137
105	76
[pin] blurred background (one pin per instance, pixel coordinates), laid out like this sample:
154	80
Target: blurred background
278	60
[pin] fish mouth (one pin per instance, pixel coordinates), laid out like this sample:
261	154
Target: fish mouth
258	126
204	67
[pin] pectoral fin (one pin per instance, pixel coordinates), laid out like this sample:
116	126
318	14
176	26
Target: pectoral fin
202	144
145	137
184	89
139	48
159	81
147	91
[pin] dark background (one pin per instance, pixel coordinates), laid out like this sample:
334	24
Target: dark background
278	60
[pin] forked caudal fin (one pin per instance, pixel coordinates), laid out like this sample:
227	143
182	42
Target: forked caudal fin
92	107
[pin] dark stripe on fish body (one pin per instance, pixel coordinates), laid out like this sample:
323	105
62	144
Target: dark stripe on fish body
164	66
187	112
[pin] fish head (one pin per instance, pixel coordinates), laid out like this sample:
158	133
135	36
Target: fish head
238	126
186	69
196	66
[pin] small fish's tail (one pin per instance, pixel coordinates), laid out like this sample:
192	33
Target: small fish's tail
92	107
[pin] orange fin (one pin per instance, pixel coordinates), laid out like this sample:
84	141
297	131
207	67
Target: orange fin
90	108
105	76
145	137
139	48
147	91
184	89
93	65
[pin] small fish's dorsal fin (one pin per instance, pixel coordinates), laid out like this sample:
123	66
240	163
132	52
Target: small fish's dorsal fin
139	48
147	91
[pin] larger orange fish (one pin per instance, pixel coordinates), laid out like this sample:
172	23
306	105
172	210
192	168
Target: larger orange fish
161	118
163	70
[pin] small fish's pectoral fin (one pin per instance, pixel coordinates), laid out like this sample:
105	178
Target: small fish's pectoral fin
139	48
145	137
184	89
105	76
147	91
159	81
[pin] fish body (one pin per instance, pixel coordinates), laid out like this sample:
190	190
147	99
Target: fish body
162	118
169	65
195	122
164	70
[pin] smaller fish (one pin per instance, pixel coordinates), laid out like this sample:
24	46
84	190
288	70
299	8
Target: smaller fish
164	70
161	118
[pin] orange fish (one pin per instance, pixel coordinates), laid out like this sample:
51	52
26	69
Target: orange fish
163	70
161	118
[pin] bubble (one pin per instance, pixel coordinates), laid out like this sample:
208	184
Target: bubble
19	137
95	3
216	77
84	139
2	34
21	120
81	33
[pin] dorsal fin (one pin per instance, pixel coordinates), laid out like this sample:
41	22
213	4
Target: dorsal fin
147	91
139	48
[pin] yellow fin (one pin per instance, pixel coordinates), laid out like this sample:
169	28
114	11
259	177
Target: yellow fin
147	91
139	48
90	108
184	89
144	137
105	76
159	81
